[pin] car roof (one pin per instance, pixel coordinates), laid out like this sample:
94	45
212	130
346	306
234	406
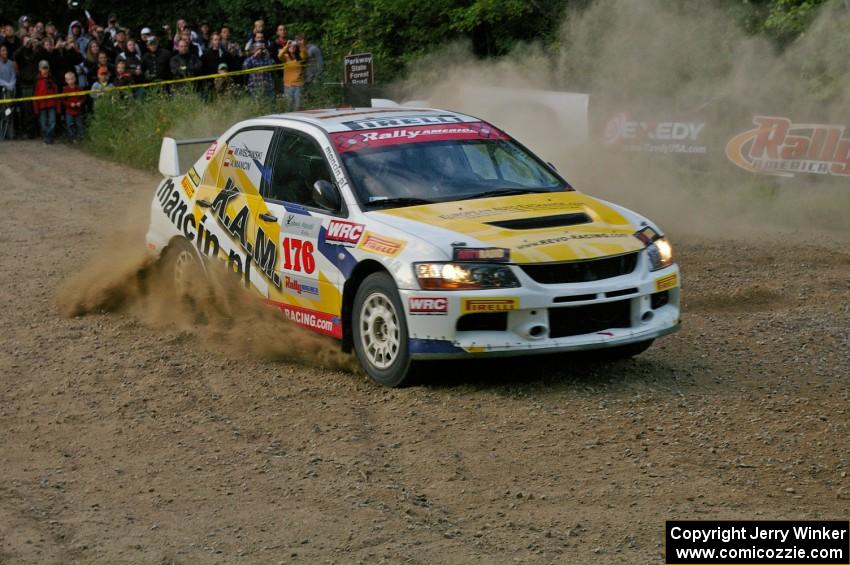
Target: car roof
333	120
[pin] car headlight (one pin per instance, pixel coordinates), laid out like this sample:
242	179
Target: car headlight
660	254
464	276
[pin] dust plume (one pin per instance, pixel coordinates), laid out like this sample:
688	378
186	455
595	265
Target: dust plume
662	60
225	316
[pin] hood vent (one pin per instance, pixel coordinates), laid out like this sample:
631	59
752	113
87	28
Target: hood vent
543	222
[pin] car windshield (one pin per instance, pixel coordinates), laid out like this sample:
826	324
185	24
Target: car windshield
405	173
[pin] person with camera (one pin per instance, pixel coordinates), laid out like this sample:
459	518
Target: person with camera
261	83
75	29
69	58
47	51
293	56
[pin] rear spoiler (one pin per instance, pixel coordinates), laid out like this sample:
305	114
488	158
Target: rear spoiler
169	159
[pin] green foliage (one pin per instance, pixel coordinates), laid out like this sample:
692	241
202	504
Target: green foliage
145	121
787	19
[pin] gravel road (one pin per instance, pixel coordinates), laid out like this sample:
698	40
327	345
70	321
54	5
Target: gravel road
127	441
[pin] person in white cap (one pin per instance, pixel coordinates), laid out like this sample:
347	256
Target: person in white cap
145	33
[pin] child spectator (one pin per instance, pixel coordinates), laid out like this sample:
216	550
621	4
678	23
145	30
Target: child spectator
46	109
101	84
224	83
73	109
293	57
122	75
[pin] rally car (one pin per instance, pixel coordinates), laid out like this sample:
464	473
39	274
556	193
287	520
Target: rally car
412	234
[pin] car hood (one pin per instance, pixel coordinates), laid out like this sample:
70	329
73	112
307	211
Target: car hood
543	227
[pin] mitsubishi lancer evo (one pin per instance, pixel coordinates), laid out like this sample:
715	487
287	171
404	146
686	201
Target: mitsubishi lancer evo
413	234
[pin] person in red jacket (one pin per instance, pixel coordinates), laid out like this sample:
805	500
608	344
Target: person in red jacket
73	107
46	109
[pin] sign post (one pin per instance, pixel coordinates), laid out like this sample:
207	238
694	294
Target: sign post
359	70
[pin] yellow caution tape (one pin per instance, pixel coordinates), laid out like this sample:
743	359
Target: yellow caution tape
146	85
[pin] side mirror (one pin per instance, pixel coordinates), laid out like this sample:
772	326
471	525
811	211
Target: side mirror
169	161
327	195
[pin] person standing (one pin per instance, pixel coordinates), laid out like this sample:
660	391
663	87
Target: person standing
8	72
8	85
46	109
156	63
103	83
185	64
293	58
73	107
260	84
215	55
27	65
315	62
82	39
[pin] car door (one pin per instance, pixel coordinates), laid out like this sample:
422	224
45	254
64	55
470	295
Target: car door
310	279
230	202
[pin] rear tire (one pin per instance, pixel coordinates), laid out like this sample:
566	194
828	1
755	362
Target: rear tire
380	331
183	273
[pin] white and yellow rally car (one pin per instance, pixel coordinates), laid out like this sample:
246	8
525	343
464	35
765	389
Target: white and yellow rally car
411	234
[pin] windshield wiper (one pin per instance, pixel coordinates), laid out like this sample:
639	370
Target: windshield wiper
399	201
505	192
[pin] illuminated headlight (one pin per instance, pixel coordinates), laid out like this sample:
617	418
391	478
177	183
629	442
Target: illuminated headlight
660	254
464	276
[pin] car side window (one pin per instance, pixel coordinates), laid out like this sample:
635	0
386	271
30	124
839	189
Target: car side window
298	164
247	153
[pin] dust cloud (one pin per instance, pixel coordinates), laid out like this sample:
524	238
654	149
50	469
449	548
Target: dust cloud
226	317
663	60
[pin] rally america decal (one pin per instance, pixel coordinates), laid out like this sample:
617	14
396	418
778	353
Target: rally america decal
353	141
779	147
373	123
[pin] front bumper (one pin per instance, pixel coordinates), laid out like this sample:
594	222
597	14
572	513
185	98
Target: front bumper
544	318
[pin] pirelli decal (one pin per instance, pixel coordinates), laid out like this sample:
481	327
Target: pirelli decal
187	187
473	305
667	282
381	245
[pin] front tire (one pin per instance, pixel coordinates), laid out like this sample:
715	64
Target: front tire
380	331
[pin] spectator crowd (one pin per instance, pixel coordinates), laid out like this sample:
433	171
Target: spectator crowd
37	59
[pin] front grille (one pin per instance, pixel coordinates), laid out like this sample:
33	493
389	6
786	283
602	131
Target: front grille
483	322
578	320
582	271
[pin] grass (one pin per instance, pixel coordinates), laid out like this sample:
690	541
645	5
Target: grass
130	129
